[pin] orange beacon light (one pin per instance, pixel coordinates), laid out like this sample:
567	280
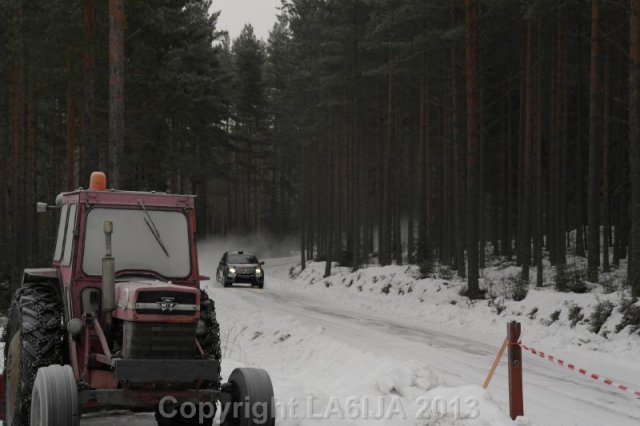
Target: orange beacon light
98	181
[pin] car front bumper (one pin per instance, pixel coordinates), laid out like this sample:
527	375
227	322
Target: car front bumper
245	278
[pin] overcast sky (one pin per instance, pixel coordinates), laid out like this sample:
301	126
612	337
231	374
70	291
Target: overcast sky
235	13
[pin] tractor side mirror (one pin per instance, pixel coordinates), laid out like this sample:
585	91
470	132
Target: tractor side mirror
44	207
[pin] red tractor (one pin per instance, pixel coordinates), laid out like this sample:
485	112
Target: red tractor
120	322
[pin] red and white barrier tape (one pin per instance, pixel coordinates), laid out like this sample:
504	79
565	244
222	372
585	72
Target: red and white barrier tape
597	377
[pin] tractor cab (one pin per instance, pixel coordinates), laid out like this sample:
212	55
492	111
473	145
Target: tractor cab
119	321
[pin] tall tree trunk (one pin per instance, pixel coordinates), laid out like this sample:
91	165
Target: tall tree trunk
634	146
31	186
304	205
522	143
509	185
355	150
606	142
90	160
423	231
595	160
621	195
397	149
579	157
538	155
71	122
473	290
386	252
527	157
560	174
482	204
328	203
116	89
458	160
447	191
553	107
16	125
381	194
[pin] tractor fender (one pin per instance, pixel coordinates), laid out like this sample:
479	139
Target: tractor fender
51	275
38	275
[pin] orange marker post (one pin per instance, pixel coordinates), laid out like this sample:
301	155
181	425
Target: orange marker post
516	400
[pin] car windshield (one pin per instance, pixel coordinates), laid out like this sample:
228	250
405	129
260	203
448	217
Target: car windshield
241	259
134	245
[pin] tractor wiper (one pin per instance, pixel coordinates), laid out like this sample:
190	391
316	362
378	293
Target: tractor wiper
152	227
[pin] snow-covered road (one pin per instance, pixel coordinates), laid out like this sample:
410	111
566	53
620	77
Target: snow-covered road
322	353
552	396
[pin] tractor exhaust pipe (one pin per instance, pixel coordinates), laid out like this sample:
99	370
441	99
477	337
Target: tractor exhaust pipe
108	277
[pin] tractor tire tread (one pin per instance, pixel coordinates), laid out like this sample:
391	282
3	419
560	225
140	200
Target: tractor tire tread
37	312
210	341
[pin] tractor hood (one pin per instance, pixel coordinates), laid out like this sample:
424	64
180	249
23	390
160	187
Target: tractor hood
156	301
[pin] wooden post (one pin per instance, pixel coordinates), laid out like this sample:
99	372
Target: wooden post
516	403
496	361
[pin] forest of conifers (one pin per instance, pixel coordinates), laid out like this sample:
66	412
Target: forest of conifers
374	130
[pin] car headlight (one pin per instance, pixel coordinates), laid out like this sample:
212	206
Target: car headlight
232	270
258	271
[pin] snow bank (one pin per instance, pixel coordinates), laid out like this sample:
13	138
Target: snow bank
553	319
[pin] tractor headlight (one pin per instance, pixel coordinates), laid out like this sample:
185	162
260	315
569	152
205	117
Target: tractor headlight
201	328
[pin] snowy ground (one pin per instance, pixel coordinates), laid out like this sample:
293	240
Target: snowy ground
329	363
328	338
381	347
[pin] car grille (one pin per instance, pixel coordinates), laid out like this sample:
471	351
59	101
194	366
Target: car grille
246	270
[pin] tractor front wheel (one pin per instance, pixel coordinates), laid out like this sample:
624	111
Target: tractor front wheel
54	401
250	386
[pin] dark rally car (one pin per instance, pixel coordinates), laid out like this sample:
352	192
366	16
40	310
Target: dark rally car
240	267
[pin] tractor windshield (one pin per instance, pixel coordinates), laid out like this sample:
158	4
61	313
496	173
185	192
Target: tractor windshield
133	246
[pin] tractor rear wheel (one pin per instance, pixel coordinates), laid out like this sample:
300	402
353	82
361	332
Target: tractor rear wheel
33	339
249	386
54	400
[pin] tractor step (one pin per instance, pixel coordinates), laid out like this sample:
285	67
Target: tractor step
169	371
142	400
